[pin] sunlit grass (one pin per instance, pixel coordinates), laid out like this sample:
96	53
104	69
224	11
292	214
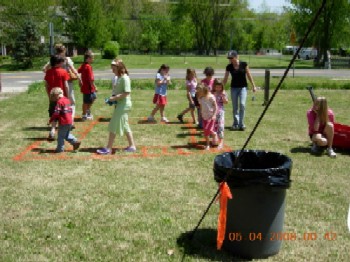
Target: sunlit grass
139	209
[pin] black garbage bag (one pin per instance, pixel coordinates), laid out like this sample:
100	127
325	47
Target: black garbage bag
258	181
253	168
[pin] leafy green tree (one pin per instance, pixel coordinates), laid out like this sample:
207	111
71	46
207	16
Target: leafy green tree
27	45
331	28
208	18
14	14
86	22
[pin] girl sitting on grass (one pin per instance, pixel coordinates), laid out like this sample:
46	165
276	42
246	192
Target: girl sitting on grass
321	126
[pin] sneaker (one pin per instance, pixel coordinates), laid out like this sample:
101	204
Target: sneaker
89	117
234	127
103	151
331	153
315	149
180	117
220	146
151	119
83	118
241	128
59	151
76	145
51	136
207	148
130	149
164	119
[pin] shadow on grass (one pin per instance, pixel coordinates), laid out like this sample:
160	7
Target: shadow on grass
301	149
36	138
203	245
88	149
187	135
44	150
190	127
342	151
104	119
36	128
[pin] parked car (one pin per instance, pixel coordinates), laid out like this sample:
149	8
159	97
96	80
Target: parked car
307	53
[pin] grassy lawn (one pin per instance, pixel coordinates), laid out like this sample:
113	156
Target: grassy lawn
154	61
139	207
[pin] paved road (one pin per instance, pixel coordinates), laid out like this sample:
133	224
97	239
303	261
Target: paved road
19	81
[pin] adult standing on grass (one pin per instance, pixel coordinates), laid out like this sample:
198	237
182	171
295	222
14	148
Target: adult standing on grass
68	65
119	123
239	71
321	126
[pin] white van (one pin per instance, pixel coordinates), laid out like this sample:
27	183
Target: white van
307	53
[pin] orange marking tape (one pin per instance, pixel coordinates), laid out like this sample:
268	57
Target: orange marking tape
225	194
35	152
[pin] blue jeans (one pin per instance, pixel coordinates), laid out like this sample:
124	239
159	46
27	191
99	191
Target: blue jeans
239	98
64	134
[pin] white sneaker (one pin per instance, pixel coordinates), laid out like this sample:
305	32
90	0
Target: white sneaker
89	117
165	120
331	153
151	119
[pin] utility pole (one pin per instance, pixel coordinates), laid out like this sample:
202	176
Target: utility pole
51	38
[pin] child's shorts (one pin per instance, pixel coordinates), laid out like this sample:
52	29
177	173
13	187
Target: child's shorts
159	100
52	107
89	98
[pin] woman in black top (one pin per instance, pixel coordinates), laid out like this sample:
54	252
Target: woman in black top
239	71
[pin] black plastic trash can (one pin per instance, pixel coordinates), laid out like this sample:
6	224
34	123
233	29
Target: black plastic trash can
255	214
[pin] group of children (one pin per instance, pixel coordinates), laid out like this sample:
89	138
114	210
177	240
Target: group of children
208	97
59	74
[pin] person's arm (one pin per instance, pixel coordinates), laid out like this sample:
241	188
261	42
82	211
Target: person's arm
331	116
66	86
188	93
91	79
56	113
224	81
312	121
250	78
215	107
125	83
47	89
119	96
72	68
46	67
224	98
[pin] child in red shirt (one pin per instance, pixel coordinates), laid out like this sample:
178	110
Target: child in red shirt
63	113
55	77
87	86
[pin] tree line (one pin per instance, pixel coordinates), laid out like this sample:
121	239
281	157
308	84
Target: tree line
200	26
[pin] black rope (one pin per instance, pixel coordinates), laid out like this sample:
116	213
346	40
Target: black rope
262	114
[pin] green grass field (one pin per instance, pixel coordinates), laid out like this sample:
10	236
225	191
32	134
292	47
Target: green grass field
139	207
154	61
